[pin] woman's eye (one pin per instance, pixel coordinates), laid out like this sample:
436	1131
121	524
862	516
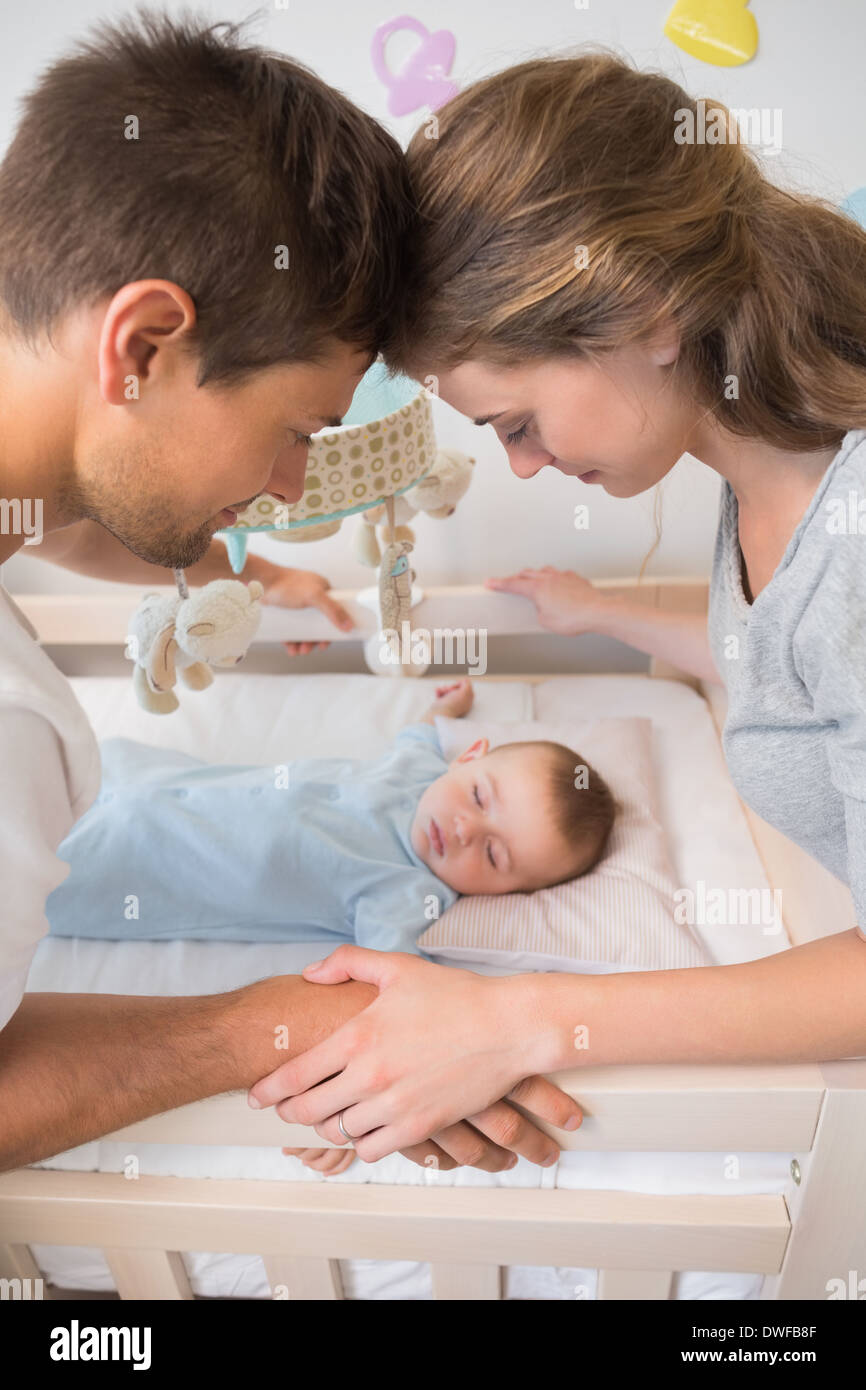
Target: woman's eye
305	439
517	435
490	856
475	790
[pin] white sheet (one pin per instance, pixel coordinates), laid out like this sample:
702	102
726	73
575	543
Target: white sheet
272	719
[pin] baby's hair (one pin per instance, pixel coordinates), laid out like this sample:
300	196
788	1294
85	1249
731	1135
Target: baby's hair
584	807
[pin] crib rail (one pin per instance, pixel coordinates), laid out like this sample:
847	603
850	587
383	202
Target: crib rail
663	1108
467	1235
97	619
637	1241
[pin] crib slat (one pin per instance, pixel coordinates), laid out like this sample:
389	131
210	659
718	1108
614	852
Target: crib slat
17	1262
304	1280
642	1284
151	1274
500	1226
462	1282
25	1280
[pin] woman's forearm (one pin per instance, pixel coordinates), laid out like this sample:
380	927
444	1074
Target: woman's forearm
680	638
76	1066
805	1004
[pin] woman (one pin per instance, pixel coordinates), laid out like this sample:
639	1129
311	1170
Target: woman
611	298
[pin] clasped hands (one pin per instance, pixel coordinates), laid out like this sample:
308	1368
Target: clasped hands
439	1066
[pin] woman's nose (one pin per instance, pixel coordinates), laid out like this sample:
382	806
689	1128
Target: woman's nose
525	463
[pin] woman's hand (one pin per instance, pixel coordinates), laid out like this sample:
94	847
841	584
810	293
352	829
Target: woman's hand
565	603
437	1047
291	588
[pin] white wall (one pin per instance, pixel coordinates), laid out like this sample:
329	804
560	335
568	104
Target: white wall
809	64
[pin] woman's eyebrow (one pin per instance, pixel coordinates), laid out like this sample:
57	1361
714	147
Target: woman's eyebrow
486	419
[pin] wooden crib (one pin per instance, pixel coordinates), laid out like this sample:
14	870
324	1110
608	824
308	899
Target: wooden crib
799	1240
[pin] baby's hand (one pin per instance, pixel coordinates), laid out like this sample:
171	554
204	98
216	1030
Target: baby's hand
454	700
327	1161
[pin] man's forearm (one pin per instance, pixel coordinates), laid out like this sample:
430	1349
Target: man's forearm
87	548
806	1004
76	1066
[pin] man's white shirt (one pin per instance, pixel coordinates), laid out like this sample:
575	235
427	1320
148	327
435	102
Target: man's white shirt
49	776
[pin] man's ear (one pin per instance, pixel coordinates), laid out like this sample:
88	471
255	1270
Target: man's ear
475	750
143	317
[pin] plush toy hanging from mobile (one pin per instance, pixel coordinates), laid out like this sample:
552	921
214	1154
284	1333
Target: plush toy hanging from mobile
381	463
190	633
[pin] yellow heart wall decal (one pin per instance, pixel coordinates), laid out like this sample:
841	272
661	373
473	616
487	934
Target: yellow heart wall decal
724	32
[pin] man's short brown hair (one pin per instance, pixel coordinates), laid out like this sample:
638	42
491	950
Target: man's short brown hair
236	152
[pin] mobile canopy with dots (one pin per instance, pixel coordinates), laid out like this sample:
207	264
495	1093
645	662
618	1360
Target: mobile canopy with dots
385	445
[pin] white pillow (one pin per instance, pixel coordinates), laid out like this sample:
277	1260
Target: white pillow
620	915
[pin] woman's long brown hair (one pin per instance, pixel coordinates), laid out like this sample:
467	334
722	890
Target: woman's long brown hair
552	155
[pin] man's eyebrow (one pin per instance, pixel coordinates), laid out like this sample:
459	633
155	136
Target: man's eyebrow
486	419
324	421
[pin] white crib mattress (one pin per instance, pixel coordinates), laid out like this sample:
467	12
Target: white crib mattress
250	718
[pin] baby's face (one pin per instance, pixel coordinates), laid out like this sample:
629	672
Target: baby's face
485	825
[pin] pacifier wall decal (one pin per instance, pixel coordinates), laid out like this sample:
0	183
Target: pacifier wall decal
423	79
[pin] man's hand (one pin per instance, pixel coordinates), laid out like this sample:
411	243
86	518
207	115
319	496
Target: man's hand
291	588
87	548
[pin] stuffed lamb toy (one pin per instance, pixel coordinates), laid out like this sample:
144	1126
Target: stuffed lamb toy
171	633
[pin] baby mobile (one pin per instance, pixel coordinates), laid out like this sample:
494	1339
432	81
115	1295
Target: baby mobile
381	464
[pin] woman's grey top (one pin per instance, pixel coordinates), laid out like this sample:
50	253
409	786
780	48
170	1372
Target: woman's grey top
794	664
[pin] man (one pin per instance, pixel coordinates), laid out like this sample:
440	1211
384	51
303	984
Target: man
200	244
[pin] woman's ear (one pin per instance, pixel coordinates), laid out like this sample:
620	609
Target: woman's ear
475	750
664	346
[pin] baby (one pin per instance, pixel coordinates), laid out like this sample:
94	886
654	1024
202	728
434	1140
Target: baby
325	849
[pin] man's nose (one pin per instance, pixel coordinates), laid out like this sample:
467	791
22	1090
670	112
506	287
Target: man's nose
287	476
